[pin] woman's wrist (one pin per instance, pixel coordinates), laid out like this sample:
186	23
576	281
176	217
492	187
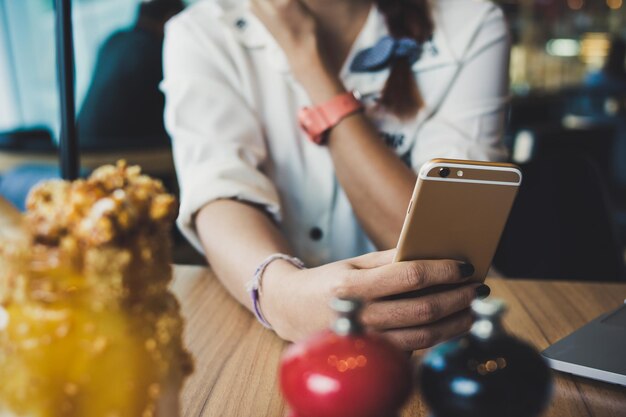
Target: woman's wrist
319	83
275	293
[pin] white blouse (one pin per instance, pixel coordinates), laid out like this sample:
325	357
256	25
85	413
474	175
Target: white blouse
232	104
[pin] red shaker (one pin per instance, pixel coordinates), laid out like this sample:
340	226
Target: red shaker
345	371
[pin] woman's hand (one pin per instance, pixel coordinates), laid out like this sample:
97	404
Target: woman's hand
296	302
294	28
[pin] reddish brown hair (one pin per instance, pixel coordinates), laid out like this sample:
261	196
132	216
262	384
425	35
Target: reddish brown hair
410	19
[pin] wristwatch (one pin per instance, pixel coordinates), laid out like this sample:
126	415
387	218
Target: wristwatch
318	120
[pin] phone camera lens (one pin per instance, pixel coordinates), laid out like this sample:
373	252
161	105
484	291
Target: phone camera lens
444	172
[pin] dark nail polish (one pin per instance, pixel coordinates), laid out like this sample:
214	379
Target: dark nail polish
482	291
467	270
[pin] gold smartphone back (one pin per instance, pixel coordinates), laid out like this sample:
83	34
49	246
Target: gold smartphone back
460	215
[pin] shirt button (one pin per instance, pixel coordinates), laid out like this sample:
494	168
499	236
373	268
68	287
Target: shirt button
241	23
316	233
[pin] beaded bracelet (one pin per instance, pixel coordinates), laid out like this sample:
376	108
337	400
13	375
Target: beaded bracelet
254	284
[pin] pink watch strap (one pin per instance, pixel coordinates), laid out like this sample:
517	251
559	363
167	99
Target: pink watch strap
339	107
316	121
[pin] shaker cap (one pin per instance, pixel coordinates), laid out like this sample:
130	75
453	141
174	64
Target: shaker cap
490	307
348	310
488	314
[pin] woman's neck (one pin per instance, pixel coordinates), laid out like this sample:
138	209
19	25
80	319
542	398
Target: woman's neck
337	13
339	23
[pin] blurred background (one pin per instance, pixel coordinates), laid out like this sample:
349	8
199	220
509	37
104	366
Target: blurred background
566	127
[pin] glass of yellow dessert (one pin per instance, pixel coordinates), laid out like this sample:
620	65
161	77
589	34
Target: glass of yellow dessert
88	326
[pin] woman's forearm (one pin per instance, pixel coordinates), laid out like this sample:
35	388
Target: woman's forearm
376	181
378	184
236	238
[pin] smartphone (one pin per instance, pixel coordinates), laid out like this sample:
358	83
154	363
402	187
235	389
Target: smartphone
458	211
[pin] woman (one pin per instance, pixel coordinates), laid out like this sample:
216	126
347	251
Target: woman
253	185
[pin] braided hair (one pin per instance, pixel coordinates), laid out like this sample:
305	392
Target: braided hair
412	19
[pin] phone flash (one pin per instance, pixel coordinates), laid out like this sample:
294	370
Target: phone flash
459	173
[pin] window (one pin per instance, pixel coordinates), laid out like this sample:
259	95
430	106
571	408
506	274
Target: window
28	63
28	77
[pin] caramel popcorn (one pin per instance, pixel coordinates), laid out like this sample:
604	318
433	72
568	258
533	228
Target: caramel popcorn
88	326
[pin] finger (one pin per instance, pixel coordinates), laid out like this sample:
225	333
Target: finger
402	277
423	337
373	260
419	311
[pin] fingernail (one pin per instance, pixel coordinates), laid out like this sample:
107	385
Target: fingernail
482	291
467	269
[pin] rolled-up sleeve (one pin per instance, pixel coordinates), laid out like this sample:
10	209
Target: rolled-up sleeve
217	138
470	121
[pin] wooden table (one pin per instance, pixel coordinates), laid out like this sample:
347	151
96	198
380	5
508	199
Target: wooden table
237	359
